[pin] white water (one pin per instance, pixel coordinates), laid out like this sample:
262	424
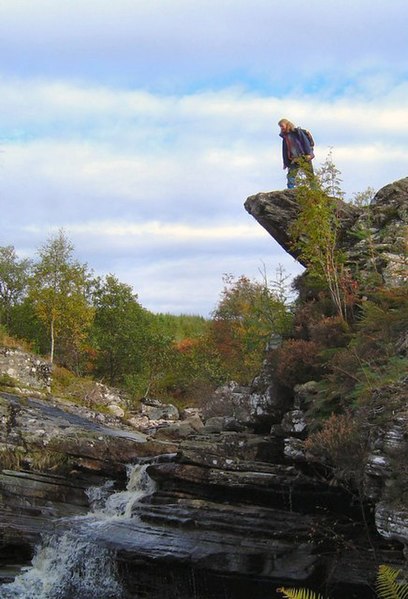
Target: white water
68	564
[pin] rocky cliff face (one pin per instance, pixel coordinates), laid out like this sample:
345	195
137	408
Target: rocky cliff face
374	238
239	508
375	241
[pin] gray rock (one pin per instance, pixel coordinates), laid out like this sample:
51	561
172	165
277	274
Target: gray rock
294	422
214	425
305	394
392	522
116	410
294	449
385	224
160	411
29	370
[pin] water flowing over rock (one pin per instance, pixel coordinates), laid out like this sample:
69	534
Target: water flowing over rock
229	513
230	507
69	562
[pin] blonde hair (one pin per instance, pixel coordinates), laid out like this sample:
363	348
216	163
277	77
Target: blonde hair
289	125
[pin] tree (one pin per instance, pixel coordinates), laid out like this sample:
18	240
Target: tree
13	281
59	290
248	313
120	330
315	232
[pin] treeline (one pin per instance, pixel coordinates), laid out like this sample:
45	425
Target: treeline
96	327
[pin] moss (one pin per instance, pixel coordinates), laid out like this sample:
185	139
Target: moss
40	460
7	382
44	460
11	458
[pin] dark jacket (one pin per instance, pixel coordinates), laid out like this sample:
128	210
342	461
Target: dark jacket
295	144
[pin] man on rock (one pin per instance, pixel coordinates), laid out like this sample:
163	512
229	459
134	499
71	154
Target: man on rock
297	151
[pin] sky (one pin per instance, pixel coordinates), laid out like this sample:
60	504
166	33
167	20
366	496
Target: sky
140	127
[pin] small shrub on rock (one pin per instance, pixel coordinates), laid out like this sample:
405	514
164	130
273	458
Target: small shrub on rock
330	332
340	443
297	361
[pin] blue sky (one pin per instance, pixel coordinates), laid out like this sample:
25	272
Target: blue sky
141	126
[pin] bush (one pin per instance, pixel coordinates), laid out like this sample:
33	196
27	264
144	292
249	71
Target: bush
341	443
7	340
331	331
7	381
297	361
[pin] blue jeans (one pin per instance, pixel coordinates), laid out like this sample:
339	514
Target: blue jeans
307	168
291	177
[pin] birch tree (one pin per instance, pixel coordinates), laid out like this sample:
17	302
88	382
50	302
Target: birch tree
59	292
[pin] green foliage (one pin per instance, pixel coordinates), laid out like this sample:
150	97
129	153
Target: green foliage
156	362
62	378
119	330
373	377
248	313
299	593
13	281
363	198
181	326
58	291
26	325
185	372
370	360
315	232
385	314
388	586
7	381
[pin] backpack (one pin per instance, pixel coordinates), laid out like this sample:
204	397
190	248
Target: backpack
308	135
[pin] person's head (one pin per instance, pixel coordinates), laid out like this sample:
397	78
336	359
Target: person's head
286	126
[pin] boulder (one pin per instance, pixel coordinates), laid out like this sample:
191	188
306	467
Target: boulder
28	370
156	410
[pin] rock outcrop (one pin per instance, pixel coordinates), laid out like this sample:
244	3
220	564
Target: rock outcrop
50	455
31	371
374	238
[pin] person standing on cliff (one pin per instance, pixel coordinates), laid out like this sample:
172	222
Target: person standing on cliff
297	151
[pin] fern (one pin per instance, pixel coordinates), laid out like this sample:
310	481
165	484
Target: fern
299	593
387	585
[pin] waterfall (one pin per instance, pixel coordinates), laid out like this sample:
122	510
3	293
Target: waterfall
69	564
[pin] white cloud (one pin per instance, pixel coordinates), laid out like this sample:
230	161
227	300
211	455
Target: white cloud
141	127
177	43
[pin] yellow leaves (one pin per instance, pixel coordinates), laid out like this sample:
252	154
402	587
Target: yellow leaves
299	593
388	586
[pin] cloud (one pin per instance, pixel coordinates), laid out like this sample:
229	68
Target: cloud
141	127
175	45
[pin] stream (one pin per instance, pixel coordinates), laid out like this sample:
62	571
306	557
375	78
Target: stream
68	564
